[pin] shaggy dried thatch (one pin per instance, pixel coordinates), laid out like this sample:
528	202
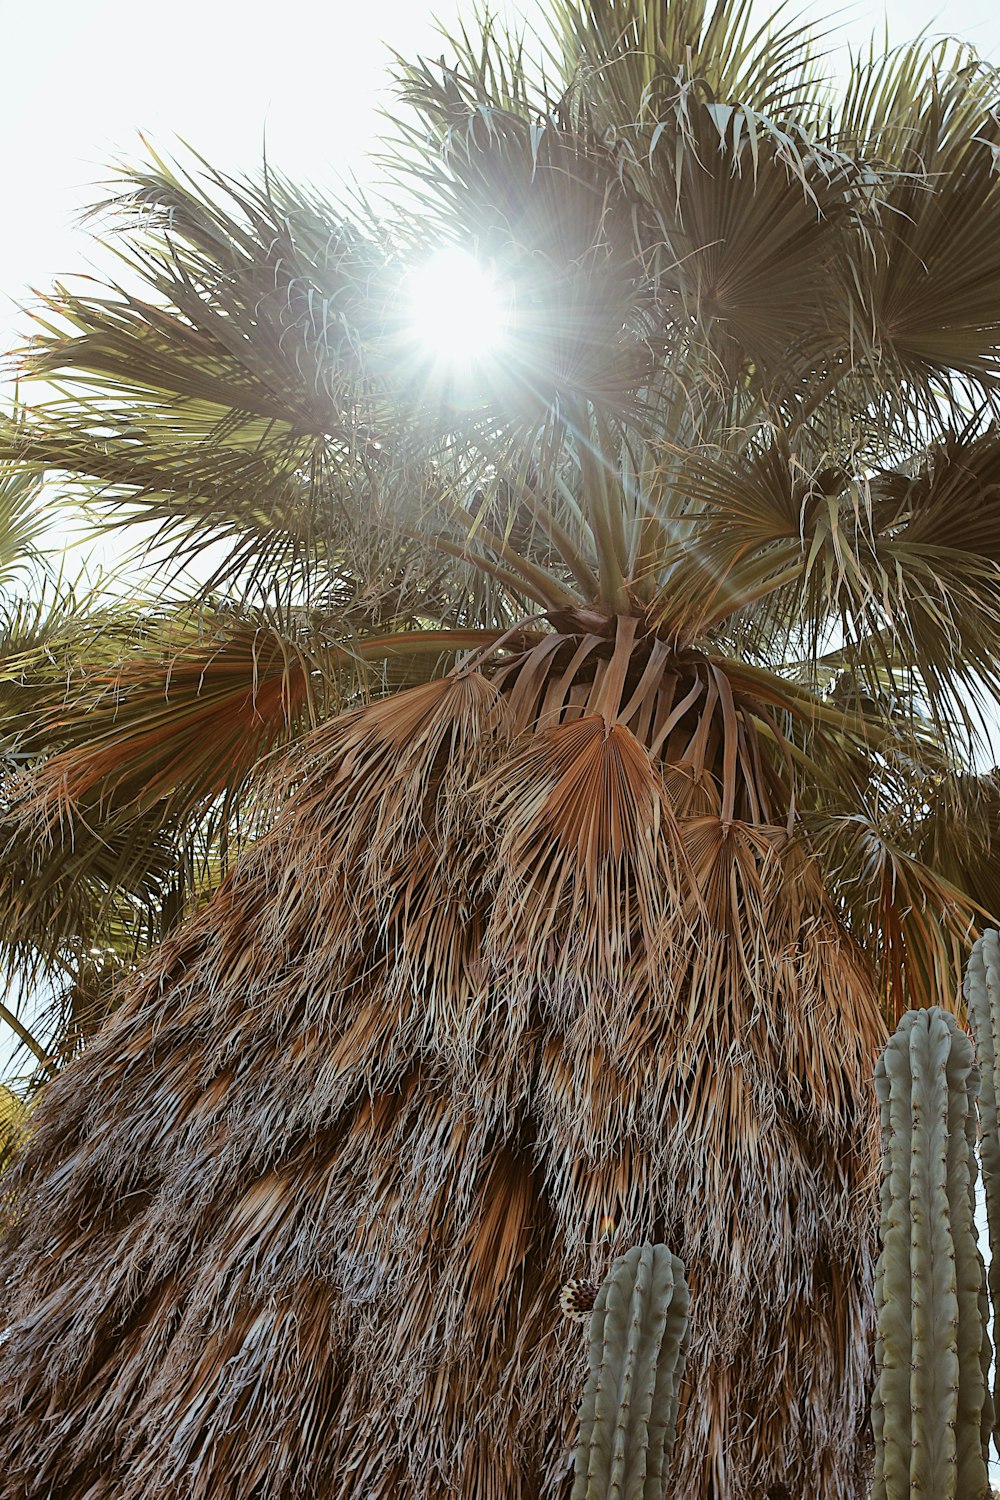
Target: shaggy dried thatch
510	985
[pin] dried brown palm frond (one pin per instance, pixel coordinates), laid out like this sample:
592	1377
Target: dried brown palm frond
90	887
128	740
406	1106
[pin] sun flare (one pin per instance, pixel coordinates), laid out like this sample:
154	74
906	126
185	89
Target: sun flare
457	312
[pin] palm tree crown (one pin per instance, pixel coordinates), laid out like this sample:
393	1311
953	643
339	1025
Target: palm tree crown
642	661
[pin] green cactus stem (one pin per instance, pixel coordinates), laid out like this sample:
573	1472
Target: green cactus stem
982	996
638	1345
931	1410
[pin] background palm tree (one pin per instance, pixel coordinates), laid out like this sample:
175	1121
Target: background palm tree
642	666
44	623
80	905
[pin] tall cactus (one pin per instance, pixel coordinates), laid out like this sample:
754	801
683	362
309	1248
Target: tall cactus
931	1411
638	1345
982	996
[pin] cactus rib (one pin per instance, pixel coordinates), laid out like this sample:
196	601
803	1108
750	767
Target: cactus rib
982	996
930	1401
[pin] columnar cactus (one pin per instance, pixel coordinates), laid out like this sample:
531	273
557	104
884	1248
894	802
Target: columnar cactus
638	1344
982	996
931	1411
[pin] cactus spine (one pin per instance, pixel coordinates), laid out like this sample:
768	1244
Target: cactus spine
931	1410
638	1345
982	996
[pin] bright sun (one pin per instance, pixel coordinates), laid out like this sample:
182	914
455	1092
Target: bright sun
457	311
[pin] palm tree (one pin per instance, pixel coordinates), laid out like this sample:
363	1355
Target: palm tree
642	665
77	905
41	624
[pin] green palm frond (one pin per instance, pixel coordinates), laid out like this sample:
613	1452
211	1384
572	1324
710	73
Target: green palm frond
13	1127
644	189
21	525
959	835
935	312
631	57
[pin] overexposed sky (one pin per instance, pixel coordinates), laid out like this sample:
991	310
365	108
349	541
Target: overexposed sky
82	78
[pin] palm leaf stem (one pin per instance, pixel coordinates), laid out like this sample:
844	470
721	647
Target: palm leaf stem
562	542
601	512
516	563
748	596
606	450
817	395
420	642
782	693
24	1035
652	545
570	500
549	594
